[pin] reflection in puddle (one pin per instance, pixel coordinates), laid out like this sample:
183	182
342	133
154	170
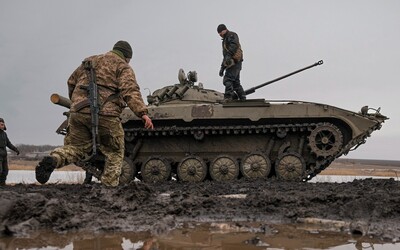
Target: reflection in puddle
28	177
344	178
203	236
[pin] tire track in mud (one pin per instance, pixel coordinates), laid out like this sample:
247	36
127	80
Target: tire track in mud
370	206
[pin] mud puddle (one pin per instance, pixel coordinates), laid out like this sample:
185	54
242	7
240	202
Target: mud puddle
369	208
77	177
208	236
28	177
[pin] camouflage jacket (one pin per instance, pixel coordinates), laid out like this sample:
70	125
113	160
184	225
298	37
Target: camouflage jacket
117	86
231	46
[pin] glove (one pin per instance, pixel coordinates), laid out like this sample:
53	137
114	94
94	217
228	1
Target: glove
17	151
221	72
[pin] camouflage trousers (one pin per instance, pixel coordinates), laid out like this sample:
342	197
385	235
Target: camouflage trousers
78	144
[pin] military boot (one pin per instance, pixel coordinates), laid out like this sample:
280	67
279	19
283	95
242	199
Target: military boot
241	94
88	178
44	169
227	99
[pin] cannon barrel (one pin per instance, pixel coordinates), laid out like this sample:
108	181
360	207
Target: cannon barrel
60	100
253	89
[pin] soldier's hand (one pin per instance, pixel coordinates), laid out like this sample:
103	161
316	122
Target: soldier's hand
221	72
229	63
147	122
17	152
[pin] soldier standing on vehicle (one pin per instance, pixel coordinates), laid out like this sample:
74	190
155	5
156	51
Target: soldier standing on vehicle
117	87
4	143
231	64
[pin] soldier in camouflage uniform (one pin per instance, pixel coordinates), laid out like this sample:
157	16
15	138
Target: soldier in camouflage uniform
4	142
117	87
231	64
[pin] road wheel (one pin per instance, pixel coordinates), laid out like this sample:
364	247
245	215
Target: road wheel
156	169
224	168
290	167
255	166
192	169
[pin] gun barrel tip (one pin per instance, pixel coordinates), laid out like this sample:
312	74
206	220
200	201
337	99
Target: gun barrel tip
54	98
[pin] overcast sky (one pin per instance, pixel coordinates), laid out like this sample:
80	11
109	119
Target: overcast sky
43	41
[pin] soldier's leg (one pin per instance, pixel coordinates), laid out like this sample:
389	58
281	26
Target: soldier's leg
78	141
88	178
240	92
228	80
112	145
1	165
79	145
237	87
3	174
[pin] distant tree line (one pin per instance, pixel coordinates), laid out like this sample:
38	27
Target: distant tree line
26	149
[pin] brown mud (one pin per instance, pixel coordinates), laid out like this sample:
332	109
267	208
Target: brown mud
367	207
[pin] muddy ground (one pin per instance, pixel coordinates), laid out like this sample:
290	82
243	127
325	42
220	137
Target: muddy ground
369	207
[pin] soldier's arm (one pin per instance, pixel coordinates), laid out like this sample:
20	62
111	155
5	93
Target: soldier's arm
130	92
72	81
10	145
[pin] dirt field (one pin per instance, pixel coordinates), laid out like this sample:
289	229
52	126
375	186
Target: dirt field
369	207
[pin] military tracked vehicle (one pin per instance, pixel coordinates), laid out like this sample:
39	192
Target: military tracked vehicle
198	135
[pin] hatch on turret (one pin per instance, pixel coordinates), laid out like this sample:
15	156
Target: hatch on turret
185	90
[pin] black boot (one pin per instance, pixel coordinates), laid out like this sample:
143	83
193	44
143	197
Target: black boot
241	94
88	178
44	169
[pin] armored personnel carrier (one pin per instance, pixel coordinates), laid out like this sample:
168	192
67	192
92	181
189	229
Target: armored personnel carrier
199	136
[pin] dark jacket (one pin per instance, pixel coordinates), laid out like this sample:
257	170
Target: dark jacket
231	47
5	142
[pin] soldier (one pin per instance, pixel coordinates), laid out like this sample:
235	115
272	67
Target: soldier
4	142
117	87
231	64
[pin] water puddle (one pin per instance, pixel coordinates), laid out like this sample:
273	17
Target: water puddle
207	236
344	178
28	177
73	177
201	235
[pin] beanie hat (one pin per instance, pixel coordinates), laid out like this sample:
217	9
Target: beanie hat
221	28
125	48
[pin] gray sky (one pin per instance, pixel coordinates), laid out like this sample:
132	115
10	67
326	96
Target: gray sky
43	41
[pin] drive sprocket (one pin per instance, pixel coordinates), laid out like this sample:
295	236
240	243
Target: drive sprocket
325	140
